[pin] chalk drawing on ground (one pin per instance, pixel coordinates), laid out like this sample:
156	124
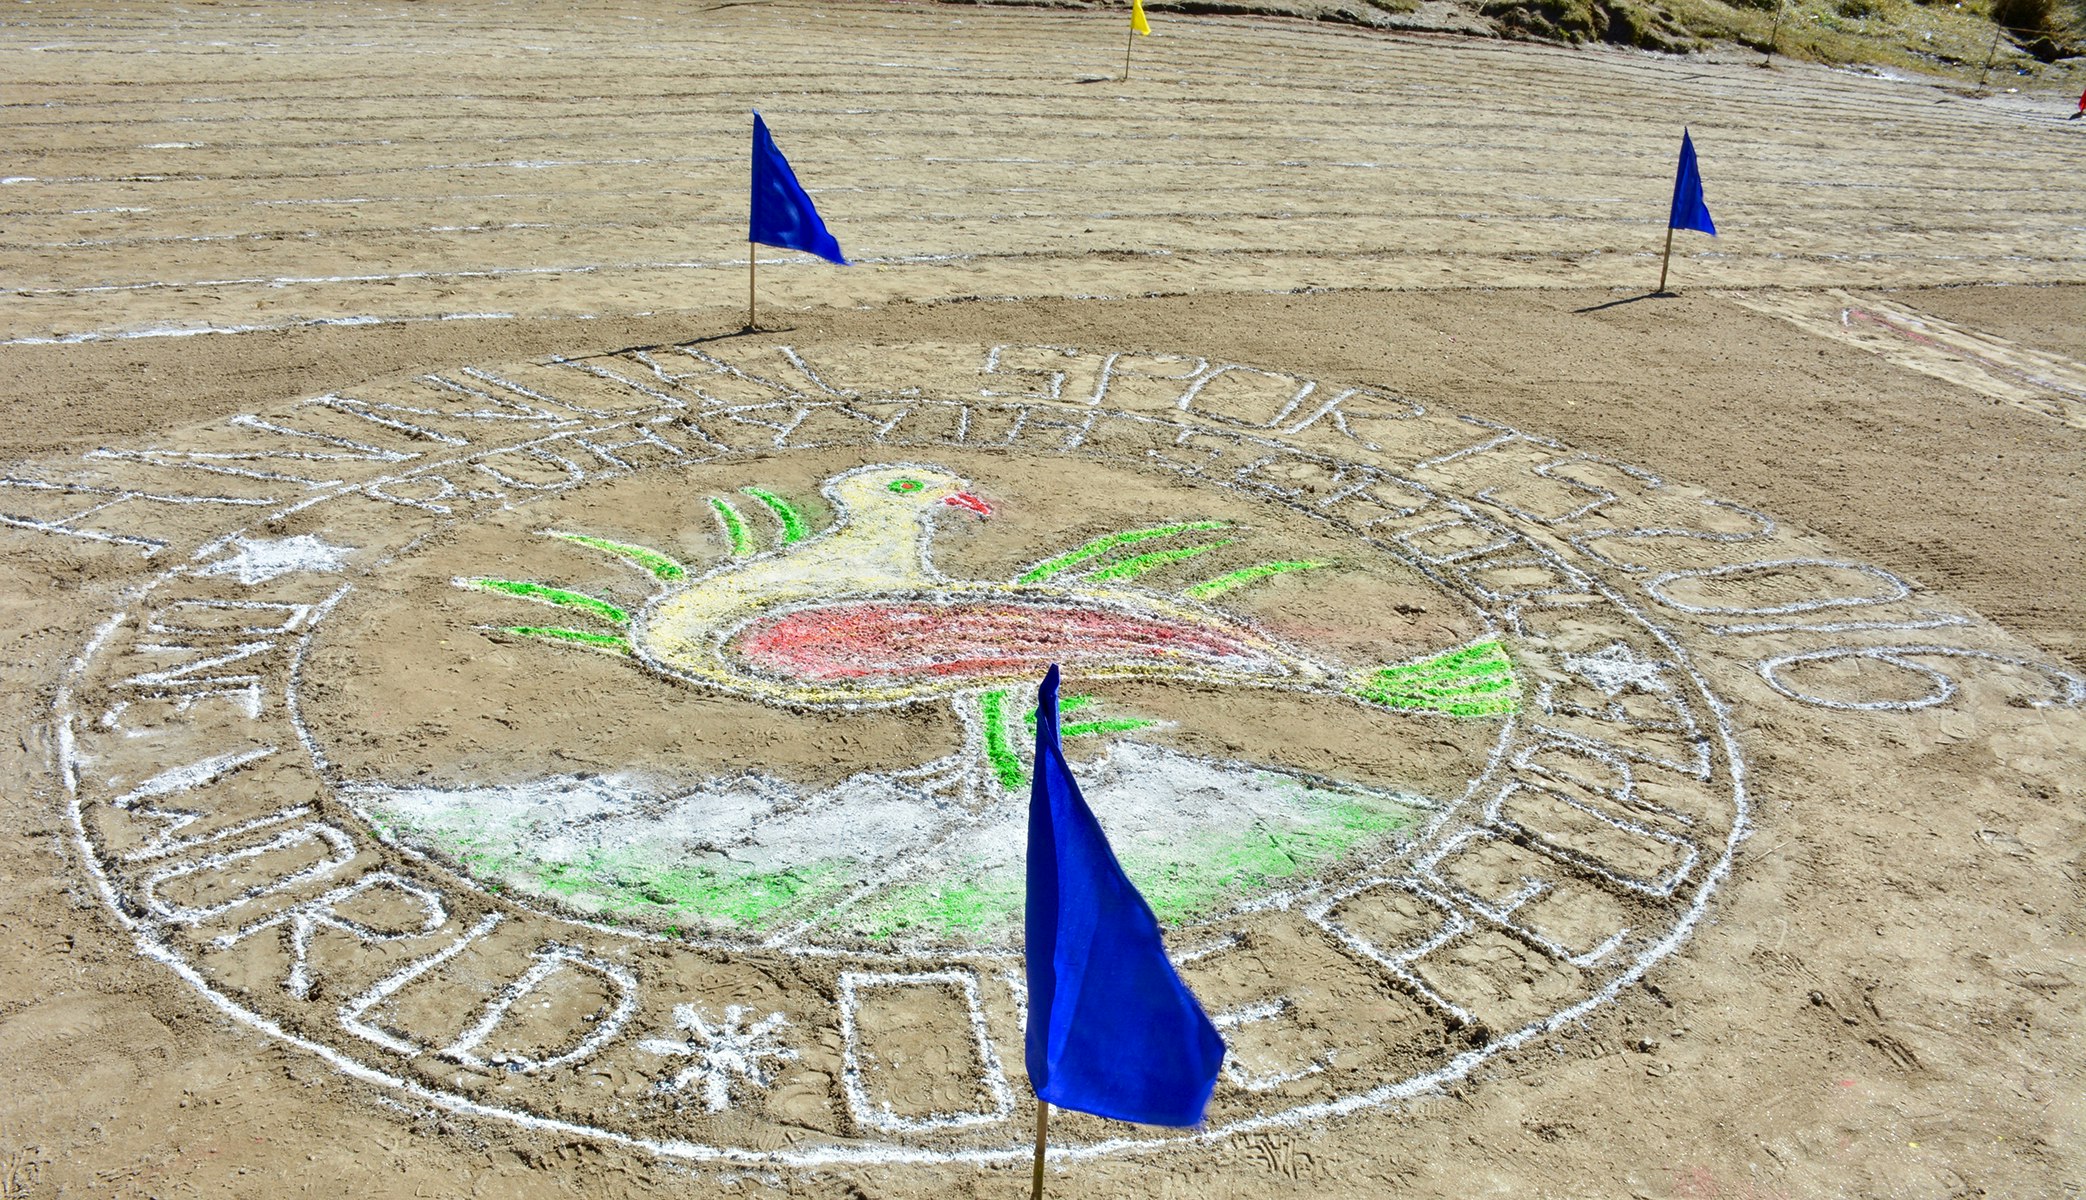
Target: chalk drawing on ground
472	939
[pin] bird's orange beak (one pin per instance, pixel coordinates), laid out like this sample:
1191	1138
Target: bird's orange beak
966	500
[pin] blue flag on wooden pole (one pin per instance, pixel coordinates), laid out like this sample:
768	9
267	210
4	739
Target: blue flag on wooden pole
782	214
1690	210
1112	1029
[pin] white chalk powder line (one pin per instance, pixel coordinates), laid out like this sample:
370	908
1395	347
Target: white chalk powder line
182	331
278	281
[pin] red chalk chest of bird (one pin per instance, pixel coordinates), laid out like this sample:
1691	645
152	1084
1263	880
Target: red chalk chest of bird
636	746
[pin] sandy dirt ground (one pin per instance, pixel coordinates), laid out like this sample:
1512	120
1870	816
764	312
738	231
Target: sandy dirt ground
1770	884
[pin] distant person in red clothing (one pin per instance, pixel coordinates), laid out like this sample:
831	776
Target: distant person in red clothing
2082	108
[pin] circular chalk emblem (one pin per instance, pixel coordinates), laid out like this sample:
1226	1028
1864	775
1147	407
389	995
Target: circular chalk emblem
638	747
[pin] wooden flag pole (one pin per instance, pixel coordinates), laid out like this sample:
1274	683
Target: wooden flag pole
1664	260
1042	1131
1126	54
749	285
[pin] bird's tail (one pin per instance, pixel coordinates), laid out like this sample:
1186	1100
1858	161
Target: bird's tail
1476	680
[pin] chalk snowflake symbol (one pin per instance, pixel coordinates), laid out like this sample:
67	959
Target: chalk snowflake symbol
258	561
1615	669
721	1052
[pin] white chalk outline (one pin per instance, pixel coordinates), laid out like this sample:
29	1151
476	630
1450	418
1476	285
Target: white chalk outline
1457	1067
295	615
551	957
175	780
1659	888
1945	687
1549	470
1244	1077
307	918
1655	587
1398	961
1501	913
343	848
1584	542
351	1013
992	1077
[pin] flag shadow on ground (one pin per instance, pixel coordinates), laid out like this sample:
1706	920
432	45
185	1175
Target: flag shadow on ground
1651	295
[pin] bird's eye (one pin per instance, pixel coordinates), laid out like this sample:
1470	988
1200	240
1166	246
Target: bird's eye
902	486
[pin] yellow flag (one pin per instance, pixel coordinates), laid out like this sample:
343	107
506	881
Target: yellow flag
1137	22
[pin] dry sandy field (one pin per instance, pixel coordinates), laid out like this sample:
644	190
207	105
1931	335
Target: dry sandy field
484	721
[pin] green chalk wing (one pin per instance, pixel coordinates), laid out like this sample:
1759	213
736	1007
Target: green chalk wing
662	568
1107	544
545	594
1472	681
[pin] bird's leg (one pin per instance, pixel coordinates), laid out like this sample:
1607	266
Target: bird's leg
966	779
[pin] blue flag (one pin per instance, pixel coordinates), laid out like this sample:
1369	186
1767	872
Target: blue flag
1112	1029
782	214
1690	210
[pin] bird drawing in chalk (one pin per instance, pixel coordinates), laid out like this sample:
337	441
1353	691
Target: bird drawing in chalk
858	616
